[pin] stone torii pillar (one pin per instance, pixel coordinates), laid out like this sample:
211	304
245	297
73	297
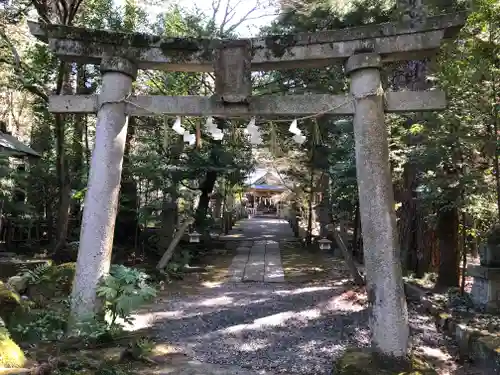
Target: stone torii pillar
101	199
389	316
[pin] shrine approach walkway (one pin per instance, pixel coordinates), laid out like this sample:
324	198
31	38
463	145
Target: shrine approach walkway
256	320
258	256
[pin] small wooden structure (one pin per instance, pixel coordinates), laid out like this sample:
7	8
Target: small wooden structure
262	194
17	229
12	147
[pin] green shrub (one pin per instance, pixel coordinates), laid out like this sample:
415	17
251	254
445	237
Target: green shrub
124	290
40	325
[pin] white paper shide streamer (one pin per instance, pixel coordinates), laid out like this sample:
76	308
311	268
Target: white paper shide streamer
189	138
186	135
178	126
298	136
253	131
215	132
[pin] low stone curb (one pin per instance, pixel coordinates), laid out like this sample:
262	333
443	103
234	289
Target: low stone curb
481	347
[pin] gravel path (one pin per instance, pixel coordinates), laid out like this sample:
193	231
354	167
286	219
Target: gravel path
276	327
281	328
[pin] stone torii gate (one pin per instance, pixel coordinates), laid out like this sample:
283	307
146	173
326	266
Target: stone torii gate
363	50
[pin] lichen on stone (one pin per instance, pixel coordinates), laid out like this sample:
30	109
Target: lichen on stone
280	44
130	45
102	36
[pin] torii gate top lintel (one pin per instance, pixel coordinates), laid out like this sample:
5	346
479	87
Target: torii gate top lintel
393	41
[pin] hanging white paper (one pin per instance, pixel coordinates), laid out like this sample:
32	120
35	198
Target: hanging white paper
218	136
189	138
253	130
178	126
294	128
299	138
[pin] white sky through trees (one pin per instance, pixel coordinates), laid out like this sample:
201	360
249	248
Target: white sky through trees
257	13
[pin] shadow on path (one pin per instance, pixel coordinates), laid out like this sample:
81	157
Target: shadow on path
282	329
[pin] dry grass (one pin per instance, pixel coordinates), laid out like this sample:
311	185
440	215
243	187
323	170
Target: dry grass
302	264
216	266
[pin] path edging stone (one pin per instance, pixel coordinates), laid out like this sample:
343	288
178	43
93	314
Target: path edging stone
481	347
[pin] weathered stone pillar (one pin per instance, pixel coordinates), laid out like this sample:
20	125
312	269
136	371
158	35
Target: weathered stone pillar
389	316
101	200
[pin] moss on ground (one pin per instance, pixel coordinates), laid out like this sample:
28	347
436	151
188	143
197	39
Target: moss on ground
11	355
364	362
9	302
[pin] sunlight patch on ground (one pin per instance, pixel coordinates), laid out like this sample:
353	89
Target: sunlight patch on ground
314	346
140	321
146	320
302	290
276	320
339	303
252	346
211	284
434	353
218	301
249	301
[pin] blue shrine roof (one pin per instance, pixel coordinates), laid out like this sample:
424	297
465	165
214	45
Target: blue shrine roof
268	187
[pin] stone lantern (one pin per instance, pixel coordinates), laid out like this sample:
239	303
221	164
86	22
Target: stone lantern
325	244
194	237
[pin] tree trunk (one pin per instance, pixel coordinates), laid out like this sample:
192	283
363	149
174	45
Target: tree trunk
62	167
474	252
208	184
168	224
447	228
310	208
206	189
77	162
169	217
126	220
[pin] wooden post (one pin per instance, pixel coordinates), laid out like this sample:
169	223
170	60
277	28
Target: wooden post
170	250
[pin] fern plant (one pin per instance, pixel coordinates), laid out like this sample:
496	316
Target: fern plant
124	290
38	274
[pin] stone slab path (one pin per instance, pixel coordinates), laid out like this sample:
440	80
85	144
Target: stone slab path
258	256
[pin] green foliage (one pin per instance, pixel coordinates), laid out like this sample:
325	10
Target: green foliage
40	325
39	274
93	330
123	290
179	260
48	281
